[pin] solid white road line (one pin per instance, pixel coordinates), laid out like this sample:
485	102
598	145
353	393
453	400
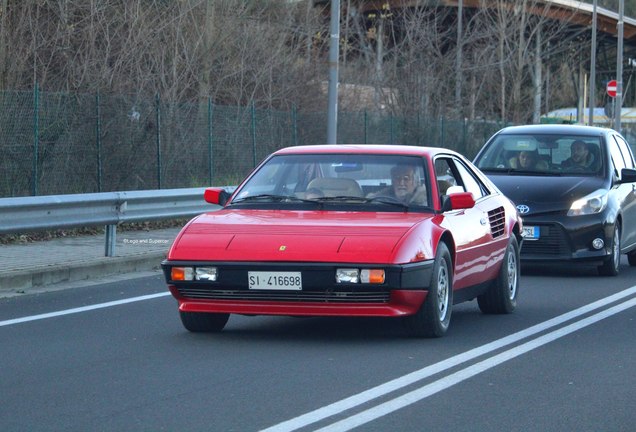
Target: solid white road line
469	372
403	381
81	309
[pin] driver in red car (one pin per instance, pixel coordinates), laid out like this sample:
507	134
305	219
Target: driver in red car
404	186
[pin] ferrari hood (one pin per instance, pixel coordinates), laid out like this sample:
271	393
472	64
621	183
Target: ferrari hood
277	235
547	193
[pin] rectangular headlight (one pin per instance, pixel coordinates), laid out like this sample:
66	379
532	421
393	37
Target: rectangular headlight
347	276
206	274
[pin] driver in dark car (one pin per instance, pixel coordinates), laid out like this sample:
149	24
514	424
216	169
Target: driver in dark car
404	186
581	157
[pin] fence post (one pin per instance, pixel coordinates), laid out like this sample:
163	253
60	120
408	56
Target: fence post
36	139
366	125
419	128
253	135
98	142
158	112
210	129
464	141
441	131
391	133
110	239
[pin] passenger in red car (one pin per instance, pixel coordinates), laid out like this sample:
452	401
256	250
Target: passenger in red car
404	186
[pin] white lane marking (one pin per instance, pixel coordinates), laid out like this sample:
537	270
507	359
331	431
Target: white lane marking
81	309
403	381
468	372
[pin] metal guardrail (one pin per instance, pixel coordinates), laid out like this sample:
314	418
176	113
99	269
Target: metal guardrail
49	212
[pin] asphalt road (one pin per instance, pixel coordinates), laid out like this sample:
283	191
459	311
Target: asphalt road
114	357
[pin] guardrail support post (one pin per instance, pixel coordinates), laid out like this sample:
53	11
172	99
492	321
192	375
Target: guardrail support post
111	237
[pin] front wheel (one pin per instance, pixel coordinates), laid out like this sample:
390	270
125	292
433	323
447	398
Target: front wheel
433	317
198	322
501	296
611	266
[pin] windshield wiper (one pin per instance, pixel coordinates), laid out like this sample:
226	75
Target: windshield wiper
347	198
533	172
497	169
521	171
341	198
272	198
387	201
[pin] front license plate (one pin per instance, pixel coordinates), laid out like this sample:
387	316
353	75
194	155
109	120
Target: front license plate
530	233
275	280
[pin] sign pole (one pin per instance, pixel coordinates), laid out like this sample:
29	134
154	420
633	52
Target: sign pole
593	68
334	54
619	69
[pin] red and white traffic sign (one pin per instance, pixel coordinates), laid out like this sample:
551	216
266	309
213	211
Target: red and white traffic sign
611	88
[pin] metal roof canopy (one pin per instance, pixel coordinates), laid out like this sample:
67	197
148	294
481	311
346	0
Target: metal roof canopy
576	13
572	11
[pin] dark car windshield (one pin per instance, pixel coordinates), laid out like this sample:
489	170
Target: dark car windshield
368	182
540	154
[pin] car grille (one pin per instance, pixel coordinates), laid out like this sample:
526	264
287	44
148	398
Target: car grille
552	241
287	296
497	218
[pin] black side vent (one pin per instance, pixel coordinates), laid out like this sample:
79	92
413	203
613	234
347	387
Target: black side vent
497	219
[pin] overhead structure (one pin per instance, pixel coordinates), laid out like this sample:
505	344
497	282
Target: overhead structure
576	15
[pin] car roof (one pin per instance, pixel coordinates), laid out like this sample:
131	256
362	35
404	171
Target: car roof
365	149
556	129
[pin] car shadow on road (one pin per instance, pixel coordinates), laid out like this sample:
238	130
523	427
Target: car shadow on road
334	330
322	329
565	270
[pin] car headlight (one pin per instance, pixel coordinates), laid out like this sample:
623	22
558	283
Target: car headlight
589	204
209	274
354	276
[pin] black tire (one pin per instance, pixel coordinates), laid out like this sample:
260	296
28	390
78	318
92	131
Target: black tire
197	322
611	266
631	258
433	317
501	296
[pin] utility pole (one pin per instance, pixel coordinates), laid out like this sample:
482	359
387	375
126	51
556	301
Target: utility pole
619	68
334	54
593	69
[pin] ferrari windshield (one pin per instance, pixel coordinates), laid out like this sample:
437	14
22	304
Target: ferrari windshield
353	179
540	154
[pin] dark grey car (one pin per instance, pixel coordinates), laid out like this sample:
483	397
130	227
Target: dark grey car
575	188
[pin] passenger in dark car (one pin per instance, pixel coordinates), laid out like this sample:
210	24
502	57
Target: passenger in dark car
528	160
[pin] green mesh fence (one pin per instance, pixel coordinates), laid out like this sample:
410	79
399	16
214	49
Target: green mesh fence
55	143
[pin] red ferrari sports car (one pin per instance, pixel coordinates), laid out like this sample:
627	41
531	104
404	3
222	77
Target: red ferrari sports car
350	230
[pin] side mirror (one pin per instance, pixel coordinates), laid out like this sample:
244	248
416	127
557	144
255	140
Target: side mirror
457	201
217	196
628	175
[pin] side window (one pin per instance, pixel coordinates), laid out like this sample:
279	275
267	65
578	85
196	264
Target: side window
617	157
444	175
626	151
471	183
